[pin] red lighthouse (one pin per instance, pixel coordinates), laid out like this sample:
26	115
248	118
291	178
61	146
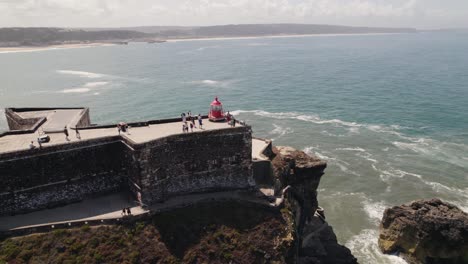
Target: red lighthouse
216	111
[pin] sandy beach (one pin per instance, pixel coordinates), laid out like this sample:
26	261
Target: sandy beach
279	36
51	47
91	45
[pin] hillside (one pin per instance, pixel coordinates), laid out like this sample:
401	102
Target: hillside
205	233
11	37
50	36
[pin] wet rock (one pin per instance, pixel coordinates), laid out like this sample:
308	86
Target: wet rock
425	231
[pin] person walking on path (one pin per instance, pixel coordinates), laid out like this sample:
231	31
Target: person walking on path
191	127
124	211
200	121
65	131
128	211
31	145
119	128
78	136
184	126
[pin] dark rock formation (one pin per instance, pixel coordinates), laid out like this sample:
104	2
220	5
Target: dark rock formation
425	231
315	240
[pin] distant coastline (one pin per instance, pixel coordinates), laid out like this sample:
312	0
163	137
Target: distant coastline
52	47
27	39
105	44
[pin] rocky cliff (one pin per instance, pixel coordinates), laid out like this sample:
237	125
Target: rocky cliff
285	225
425	231
299	175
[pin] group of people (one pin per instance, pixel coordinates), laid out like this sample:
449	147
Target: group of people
188	121
126	211
123	127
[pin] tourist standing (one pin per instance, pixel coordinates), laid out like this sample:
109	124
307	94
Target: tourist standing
183	117
65	131
78	136
191	127
200	121
119	128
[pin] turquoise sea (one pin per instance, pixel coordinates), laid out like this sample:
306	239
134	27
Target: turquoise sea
388	112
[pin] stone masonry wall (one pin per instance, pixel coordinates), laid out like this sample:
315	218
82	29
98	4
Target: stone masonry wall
196	162
37	179
84	119
156	170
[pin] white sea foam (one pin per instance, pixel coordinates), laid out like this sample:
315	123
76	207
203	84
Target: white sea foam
446	151
87	87
83	74
352	149
95	84
313	118
386	175
315	151
209	47
281	131
214	83
374	210
76	90
365	247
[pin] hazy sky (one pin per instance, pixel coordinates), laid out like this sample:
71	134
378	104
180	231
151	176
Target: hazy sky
113	13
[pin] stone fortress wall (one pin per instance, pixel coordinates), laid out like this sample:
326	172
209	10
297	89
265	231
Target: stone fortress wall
152	171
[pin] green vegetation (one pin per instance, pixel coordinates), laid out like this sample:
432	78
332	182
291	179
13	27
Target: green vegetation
206	233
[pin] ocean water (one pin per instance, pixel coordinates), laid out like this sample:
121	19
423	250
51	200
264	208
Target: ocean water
388	112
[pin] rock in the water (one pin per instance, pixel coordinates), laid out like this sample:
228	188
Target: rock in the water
425	231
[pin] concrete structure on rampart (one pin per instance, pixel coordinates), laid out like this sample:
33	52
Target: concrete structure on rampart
154	161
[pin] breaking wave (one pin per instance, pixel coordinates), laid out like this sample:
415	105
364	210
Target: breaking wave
85	88
374	210
333	161
281	131
209	47
453	153
313	118
352	149
213	83
83	74
387	175
365	247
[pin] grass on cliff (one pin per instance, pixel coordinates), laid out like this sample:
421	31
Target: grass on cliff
207	233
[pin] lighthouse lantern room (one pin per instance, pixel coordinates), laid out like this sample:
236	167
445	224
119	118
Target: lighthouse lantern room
216	111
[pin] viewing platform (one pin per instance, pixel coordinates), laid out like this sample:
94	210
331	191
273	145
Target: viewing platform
45	163
57	119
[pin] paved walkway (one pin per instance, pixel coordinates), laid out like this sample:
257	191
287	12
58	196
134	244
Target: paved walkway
258	146
137	134
56	119
110	207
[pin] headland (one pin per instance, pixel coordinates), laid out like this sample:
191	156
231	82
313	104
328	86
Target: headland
153	167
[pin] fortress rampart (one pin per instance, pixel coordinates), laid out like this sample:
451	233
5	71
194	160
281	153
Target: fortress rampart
153	170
